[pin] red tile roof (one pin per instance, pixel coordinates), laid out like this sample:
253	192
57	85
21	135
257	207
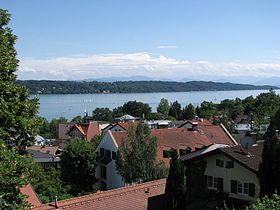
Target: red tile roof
32	197
93	130
181	138
134	197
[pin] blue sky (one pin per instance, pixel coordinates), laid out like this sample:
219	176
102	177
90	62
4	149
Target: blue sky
233	40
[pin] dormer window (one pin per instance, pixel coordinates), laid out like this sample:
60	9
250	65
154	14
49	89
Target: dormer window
219	163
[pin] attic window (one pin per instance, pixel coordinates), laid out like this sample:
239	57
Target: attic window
219	163
102	151
166	153
184	150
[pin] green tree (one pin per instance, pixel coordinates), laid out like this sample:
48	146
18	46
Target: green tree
206	110
54	126
48	185
269	168
175	110
175	189
137	109
102	114
44	127
18	118
163	107
265	203
78	161
14	170
136	157
77	119
189	112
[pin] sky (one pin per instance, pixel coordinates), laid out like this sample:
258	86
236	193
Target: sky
218	40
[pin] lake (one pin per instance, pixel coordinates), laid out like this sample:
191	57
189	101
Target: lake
71	105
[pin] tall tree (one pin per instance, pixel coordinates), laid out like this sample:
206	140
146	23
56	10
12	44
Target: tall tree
102	114
136	157
189	112
269	168
17	112
175	189
175	110
54	126
163	107
137	109
78	161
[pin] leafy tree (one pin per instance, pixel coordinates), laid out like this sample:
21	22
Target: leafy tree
265	203
48	185
175	110
77	119
102	114
175	189
118	111
189	112
44	128
206	110
163	107
17	112
78	161
54	126
136	157
137	109
14	170
248	104
269	168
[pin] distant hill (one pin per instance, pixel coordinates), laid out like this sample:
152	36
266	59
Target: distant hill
81	87
275	81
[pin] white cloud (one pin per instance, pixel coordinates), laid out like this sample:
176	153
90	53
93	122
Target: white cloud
142	63
167	47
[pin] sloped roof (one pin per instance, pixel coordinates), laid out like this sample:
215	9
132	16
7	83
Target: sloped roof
52	150
93	130
32	197
180	137
134	197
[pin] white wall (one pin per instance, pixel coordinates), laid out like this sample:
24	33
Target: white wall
114	180
238	172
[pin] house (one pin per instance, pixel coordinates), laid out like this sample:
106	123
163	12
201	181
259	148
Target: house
126	118
32	198
86	131
243	124
145	196
121	126
63	129
228	169
182	139
47	156
157	124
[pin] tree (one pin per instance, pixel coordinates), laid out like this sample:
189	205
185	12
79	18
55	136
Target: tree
78	161
163	107
17	112
269	168
206	110
44	127
14	170
265	203
175	189
54	126
136	157
175	110
48	185
77	119
137	109
189	112
102	114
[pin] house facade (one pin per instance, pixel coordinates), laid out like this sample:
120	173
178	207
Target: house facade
230	169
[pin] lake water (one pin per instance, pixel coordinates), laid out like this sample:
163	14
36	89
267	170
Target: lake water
71	105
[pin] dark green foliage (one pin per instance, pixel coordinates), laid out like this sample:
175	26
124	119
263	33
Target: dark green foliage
44	128
102	114
78	162
206	110
17	112
72	87
189	112
137	109
48	185
136	157
269	169
175	189
265	203
175	110
14	172
54	126
163	107
77	119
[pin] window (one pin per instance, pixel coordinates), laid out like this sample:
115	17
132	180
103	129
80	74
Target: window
229	164
219	163
166	154
108	153
242	188
103	172
214	183
114	155
102	151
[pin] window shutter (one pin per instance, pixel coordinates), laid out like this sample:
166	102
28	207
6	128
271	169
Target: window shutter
233	186
220	184
251	189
